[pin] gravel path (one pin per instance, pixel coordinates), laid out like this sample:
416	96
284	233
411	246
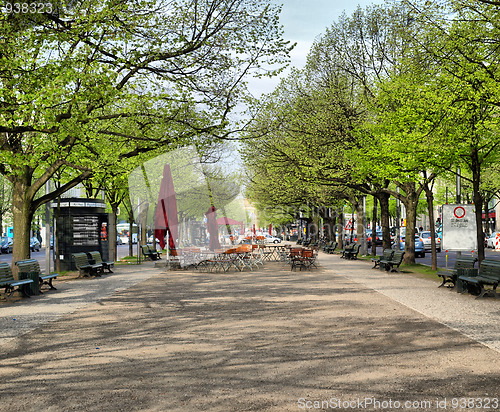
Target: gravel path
23	316
340	337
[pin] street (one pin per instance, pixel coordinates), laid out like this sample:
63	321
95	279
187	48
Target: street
441	257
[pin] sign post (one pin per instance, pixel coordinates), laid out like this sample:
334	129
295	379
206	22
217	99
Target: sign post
459	228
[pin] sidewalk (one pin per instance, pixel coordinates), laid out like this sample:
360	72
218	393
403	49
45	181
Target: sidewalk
269	340
476	318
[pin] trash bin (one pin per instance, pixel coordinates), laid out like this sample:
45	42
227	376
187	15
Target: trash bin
32	288
463	286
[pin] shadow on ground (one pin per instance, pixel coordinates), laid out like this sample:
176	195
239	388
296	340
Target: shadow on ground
241	341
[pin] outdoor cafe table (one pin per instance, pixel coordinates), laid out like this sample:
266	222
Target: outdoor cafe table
273	253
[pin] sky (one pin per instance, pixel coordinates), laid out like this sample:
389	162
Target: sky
303	21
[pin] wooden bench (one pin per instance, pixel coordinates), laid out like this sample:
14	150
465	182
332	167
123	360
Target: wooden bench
350	252
84	266
450	276
8	282
488	274
392	264
31	266
150	253
386	256
95	257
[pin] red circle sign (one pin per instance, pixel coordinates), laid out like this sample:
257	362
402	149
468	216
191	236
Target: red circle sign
459	212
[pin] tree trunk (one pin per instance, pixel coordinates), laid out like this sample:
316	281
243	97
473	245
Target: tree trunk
130	237
374	226
360	229
383	198
22	216
341	239
112	234
430	208
478	202
410	200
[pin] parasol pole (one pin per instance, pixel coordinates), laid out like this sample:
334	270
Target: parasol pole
168	247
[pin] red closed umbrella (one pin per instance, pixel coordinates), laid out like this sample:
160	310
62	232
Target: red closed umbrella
212	228
166	211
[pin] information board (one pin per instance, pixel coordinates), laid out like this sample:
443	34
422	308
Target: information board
459	228
86	230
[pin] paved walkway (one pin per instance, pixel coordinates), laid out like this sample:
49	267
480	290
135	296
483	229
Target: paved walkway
341	337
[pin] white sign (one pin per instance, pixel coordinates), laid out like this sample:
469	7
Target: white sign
459	228
349	225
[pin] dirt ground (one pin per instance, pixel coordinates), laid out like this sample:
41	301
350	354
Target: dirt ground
269	340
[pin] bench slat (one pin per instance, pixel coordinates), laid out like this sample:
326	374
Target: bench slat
488	274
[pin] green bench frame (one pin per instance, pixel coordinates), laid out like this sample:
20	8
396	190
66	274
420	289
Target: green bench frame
386	256
95	258
150	253
29	266
392	264
351	251
488	274
330	248
10	284
84	266
451	275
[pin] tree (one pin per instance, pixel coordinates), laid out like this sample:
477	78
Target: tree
71	80
468	55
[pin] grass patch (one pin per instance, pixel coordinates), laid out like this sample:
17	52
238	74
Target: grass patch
128	259
63	273
423	271
416	269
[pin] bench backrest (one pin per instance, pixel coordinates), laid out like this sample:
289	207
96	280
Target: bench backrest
28	266
490	268
387	254
397	257
80	259
145	250
465	262
5	273
95	256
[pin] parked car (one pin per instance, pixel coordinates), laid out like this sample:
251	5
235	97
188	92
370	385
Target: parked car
34	244
125	239
490	242
419	246
271	239
426	238
6	244
378	238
